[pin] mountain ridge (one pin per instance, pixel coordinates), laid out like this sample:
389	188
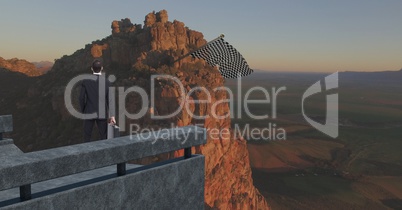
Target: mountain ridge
20	65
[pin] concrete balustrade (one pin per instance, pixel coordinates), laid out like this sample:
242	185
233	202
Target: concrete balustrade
177	183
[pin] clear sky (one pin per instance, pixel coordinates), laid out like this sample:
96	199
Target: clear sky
282	35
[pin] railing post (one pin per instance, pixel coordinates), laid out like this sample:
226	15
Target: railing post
6	125
187	152
121	167
25	192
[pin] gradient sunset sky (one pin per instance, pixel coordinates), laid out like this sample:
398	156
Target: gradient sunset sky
283	35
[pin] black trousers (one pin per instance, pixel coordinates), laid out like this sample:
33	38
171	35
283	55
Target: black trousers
102	128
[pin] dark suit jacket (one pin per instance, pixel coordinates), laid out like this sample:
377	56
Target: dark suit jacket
94	97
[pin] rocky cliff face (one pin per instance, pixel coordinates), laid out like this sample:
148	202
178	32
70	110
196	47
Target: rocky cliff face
228	173
20	65
133	53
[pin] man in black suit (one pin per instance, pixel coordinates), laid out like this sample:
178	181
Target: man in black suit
94	100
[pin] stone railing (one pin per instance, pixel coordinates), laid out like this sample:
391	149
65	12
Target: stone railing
172	184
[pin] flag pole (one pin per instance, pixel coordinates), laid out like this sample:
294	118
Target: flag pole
220	36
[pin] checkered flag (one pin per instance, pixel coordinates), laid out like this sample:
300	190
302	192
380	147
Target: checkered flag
220	53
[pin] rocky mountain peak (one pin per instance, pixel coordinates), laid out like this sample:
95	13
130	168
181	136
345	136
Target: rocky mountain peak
157	43
124	26
159	17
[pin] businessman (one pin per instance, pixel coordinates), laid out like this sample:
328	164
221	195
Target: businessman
94	99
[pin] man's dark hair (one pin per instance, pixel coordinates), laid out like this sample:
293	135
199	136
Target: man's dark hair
97	66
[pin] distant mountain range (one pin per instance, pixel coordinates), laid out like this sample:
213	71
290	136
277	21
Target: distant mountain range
390	76
26	67
43	66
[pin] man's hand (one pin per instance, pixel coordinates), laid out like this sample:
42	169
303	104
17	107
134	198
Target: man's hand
112	121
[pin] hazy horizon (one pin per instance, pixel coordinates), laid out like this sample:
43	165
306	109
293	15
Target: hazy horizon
255	70
308	36
320	72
